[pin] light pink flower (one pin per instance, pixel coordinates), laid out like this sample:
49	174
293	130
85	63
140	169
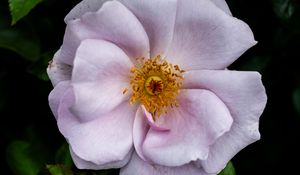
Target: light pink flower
110	123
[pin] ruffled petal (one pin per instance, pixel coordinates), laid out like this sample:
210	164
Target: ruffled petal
158	19
241	91
83	7
244	95
140	128
58	72
228	145
222	5
151	121
56	95
99	78
106	141
205	37
200	119
137	166
83	164
126	32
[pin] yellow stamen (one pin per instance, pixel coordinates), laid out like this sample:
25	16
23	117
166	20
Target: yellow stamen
155	84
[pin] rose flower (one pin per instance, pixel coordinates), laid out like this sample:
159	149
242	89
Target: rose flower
144	86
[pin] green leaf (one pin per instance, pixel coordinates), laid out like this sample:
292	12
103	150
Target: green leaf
59	170
296	100
20	8
20	159
228	170
284	9
21	42
63	156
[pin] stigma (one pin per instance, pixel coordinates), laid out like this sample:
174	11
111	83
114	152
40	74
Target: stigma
155	83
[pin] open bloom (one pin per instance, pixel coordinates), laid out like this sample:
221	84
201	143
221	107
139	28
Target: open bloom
144	86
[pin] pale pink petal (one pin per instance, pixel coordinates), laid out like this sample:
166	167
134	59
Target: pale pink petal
140	129
241	91
56	94
104	141
83	7
126	32
196	124
151	121
222	5
100	75
83	164
58	71
244	95
137	166
205	37
228	145
158	19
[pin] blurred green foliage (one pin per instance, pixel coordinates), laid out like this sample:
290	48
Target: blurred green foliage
20	8
284	9
228	170
59	169
27	157
32	143
63	156
296	100
21	158
25	44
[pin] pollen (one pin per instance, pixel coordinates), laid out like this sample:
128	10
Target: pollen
155	83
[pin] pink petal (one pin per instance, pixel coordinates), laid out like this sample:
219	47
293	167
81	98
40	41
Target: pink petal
158	19
137	166
244	95
102	142
242	92
196	124
56	94
114	23
83	7
150	120
83	164
140	128
100	75
205	37
228	145
58	71
222	5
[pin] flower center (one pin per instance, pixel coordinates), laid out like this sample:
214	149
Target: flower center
155	84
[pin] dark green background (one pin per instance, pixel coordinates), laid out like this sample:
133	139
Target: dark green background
24	88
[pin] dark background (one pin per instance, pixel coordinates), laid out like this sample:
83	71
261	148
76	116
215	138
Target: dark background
28	129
